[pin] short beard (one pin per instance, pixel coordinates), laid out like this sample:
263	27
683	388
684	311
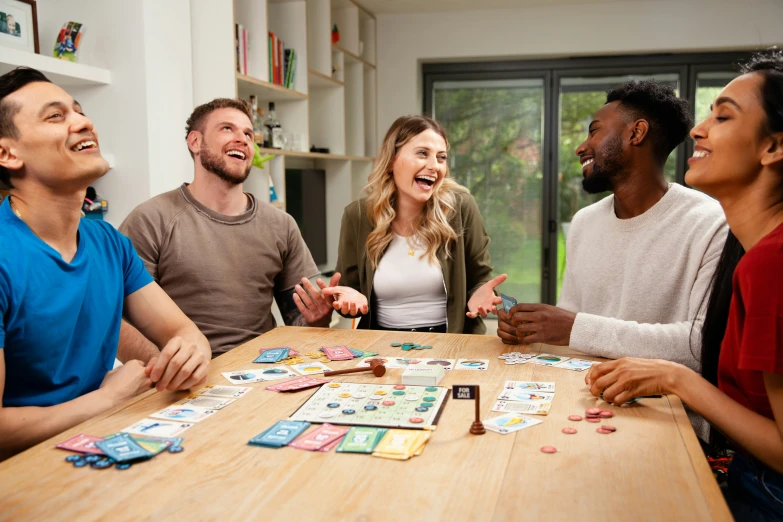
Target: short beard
216	164
605	174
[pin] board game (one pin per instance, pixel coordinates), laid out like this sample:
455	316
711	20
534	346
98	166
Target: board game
379	405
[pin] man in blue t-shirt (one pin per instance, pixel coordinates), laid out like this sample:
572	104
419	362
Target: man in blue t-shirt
66	282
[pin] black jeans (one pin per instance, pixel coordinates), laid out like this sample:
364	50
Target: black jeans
438	328
753	492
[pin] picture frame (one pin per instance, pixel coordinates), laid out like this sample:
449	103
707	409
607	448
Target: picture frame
23	14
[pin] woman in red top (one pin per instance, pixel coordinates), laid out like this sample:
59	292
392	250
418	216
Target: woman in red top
738	159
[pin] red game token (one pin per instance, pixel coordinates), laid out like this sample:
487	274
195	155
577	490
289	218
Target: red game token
388	403
574	417
593	419
416	420
606	414
548	449
399	387
603	431
608	428
593	411
568	431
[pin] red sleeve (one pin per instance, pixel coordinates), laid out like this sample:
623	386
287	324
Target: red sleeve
760	275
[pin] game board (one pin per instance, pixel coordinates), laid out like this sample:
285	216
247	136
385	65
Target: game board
379	405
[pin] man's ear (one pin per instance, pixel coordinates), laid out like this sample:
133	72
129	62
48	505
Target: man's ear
194	141
8	157
774	153
639	131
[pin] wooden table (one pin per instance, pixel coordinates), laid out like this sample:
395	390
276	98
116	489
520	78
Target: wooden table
651	469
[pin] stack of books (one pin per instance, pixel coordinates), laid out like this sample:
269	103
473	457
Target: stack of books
282	63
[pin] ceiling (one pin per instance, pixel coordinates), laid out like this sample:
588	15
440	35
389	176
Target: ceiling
424	6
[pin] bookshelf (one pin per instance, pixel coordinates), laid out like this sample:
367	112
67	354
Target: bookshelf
331	102
61	72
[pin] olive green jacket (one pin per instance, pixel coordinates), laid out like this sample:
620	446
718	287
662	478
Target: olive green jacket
464	270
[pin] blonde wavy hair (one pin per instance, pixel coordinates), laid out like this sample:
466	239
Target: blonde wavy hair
432	224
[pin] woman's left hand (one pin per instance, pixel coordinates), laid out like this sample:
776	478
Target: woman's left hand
484	299
627	378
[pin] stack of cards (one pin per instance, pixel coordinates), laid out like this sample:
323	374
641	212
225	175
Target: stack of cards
323	438
123	448
251	376
401	444
300	383
526	397
361	439
280	434
337	353
291	351
418	376
509	423
272	355
82	444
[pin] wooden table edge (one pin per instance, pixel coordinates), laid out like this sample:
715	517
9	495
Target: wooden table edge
709	486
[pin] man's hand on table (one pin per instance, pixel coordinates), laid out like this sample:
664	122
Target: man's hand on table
182	364
127	381
539	323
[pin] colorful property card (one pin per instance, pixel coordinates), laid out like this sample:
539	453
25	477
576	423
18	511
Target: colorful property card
361	439
533	408
279	434
250	376
321	436
546	359
508	302
337	353
272	356
291	351
407	362
526	396
311	368
233	392
82	444
300	383
509	423
183	413
158	428
577	365
122	447
530	386
472	364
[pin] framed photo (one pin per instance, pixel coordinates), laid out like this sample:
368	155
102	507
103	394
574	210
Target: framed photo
19	24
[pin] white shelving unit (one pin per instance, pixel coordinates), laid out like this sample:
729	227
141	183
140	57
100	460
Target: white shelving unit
333	102
61	72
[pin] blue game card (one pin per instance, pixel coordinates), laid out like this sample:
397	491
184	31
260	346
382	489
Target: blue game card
122	447
272	356
280	434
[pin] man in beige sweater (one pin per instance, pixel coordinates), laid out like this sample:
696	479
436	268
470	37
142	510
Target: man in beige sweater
221	254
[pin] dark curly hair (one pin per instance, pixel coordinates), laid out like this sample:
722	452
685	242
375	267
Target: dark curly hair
199	114
11	82
668	116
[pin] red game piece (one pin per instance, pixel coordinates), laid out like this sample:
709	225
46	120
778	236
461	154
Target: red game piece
568	431
548	449
574	418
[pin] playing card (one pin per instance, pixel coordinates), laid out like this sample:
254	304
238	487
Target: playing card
577	365
400	444
533	408
205	401
291	351
508	302
122	447
546	359
82	444
234	392
530	386
361	439
321	436
472	364
158	428
337	353
280	434
509	423
300	383
526	396
311	368
153	445
183	413
243	376
272	356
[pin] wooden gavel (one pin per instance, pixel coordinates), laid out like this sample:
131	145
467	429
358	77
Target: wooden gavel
376	367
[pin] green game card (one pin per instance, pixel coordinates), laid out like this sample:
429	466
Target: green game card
361	439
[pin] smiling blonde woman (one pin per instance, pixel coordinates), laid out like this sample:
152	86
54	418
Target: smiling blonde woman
413	252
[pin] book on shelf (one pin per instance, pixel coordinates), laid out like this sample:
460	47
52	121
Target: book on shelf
282	62
241	47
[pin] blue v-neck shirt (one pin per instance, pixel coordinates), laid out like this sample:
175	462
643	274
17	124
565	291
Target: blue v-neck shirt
60	322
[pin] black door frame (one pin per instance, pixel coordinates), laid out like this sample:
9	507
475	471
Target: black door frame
552	71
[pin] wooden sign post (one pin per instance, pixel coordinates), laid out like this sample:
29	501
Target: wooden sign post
471	391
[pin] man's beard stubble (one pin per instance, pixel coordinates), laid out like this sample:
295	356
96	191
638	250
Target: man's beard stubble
216	164
605	174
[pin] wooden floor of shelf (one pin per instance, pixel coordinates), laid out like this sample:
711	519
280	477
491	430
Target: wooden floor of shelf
351	56
314	155
266	91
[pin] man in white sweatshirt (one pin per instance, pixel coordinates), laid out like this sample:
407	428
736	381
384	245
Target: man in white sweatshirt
640	262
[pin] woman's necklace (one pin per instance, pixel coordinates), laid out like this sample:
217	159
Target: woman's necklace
411	252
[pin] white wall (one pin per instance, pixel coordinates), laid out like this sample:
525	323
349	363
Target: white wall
140	117
407	40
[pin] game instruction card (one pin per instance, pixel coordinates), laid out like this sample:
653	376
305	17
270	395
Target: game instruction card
233	392
311	368
158	428
183	413
472	364
509	423
530	386
577	365
205	401
250	376
532	408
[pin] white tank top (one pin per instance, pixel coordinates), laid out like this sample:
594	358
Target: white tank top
409	291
